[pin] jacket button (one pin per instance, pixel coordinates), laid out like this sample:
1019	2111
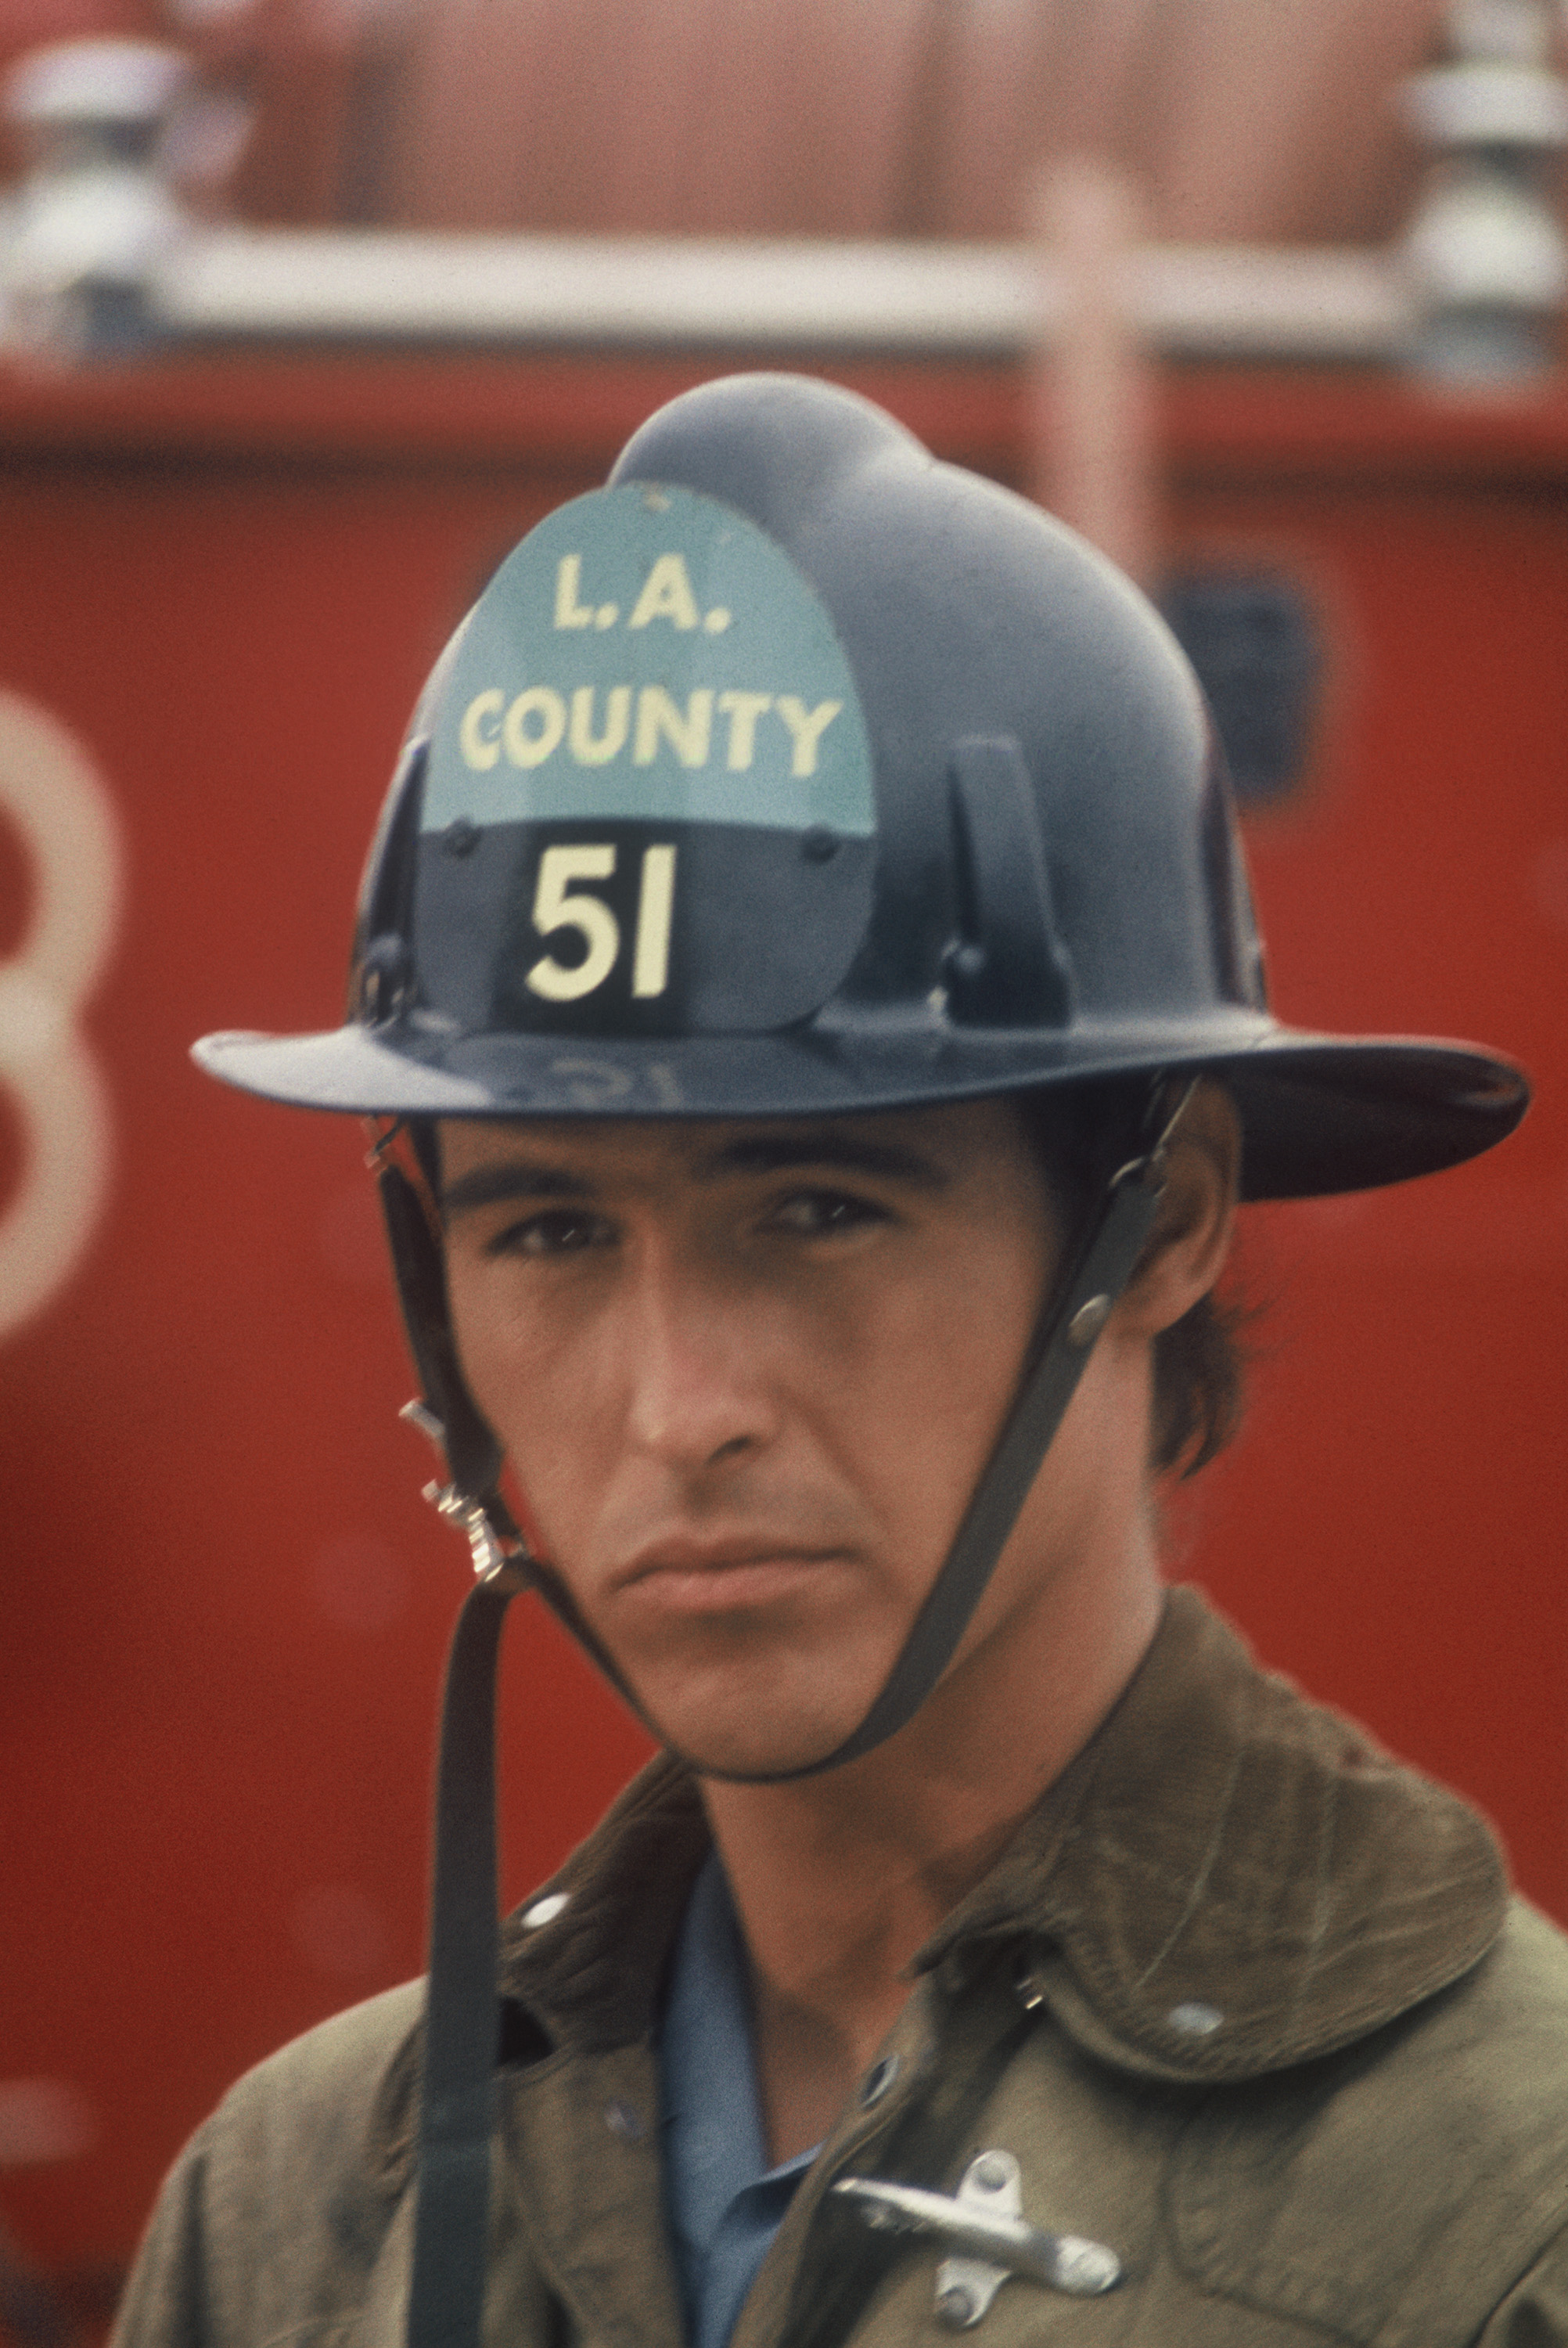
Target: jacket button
878	2079
544	1910
1195	2018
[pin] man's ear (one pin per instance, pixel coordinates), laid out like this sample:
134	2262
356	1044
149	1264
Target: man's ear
1192	1233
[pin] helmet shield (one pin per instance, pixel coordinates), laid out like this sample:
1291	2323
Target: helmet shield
648	731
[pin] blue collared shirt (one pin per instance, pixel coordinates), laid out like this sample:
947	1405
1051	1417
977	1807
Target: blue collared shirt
723	2204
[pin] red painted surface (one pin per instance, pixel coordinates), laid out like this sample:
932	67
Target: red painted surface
225	1603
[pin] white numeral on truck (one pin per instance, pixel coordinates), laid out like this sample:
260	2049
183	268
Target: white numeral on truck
53	794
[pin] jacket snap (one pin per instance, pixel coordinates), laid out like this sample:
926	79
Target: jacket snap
544	1910
1195	2018
878	2081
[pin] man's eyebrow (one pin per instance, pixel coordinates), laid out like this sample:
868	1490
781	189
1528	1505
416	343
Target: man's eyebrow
774	1153
510	1178
762	1153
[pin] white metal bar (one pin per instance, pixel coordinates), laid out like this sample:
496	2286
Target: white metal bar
958	300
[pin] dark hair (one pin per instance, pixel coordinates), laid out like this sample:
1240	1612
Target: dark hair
1081	1133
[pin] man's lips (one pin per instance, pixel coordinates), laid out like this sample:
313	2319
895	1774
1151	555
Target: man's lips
697	1575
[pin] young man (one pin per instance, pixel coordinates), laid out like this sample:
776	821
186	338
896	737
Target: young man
808	976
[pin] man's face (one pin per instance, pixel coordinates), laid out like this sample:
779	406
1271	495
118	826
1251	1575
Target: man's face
747	1374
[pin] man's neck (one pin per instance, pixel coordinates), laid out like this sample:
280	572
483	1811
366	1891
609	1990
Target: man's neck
838	1880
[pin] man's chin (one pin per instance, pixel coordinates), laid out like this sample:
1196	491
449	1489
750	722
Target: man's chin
765	1694
752	1735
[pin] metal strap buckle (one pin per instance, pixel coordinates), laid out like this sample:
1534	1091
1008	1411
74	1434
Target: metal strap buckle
491	1561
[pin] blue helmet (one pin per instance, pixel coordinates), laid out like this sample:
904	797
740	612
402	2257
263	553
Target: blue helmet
796	772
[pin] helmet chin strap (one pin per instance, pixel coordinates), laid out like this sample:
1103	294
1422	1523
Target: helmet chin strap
461	2022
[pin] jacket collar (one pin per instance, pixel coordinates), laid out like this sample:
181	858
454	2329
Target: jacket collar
1227	1880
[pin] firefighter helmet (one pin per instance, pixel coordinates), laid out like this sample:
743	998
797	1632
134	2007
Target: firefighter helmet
794	772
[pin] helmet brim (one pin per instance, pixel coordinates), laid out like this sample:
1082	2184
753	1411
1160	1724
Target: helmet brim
1320	1114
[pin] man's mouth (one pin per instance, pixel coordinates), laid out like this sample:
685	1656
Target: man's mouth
697	1576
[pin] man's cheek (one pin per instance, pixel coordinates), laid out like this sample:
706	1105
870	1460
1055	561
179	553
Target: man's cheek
559	1489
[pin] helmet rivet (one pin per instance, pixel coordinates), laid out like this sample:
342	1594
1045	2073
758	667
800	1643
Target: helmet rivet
1087	1322
964	964
818	844
460	838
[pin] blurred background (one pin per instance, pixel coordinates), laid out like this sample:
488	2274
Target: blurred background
308	309
1243	119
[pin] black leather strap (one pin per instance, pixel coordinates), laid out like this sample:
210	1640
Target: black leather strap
1104	1269
451	2225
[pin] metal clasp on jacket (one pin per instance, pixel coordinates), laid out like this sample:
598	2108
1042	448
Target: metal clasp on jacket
989	2236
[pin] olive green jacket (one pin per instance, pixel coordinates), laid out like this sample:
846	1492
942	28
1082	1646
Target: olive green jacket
1247	2002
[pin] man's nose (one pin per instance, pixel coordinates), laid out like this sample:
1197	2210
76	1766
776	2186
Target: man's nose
696	1363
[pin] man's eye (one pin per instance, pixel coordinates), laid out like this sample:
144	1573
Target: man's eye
562	1230
824	1214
